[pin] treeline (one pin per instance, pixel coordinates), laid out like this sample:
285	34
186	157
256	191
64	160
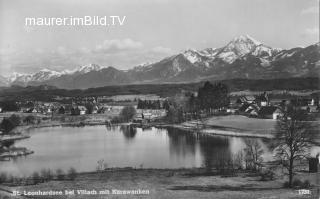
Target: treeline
152	104
9	123
211	98
43	93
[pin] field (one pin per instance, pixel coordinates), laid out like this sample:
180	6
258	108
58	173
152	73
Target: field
172	184
242	123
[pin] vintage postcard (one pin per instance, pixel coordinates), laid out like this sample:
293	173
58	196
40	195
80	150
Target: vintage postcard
160	99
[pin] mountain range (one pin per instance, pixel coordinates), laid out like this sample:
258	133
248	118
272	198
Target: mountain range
243	57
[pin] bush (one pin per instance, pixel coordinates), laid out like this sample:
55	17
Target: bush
36	178
15	119
7	125
3	178
30	119
306	184
10	179
297	183
286	184
267	175
72	173
46	174
60	174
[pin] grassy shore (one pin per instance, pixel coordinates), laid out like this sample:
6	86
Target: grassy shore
170	183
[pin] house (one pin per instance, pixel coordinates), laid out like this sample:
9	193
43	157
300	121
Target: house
82	110
270	112
246	99
244	107
313	109
95	109
48	110
112	109
231	110
152	113
33	110
101	110
252	112
249	109
262	100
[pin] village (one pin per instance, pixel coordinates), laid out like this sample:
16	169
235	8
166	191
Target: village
152	107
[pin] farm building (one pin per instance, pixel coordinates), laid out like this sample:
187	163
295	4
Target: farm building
270	112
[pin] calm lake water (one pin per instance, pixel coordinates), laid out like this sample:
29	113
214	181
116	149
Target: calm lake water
83	147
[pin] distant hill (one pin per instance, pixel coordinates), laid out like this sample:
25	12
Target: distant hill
242	58
45	93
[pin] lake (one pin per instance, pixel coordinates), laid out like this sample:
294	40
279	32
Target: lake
120	146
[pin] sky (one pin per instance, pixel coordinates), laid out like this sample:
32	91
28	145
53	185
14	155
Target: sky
152	30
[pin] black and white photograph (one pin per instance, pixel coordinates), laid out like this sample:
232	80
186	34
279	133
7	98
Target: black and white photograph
159	99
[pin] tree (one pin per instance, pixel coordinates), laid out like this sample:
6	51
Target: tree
9	106
127	113
253	154
293	138
30	119
7	125
193	106
140	104
72	173
60	174
36	177
10	123
175	114
166	105
61	110
15	119
89	107
213	96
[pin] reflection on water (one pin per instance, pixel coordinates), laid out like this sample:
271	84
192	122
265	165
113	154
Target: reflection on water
121	146
128	131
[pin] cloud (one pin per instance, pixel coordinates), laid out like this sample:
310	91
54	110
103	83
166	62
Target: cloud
310	10
162	50
116	45
122	54
61	50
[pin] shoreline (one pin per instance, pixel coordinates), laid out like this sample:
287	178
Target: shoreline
216	131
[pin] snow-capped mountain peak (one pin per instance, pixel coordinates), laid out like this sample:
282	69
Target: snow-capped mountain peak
88	68
242	57
192	55
44	74
244	45
209	52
